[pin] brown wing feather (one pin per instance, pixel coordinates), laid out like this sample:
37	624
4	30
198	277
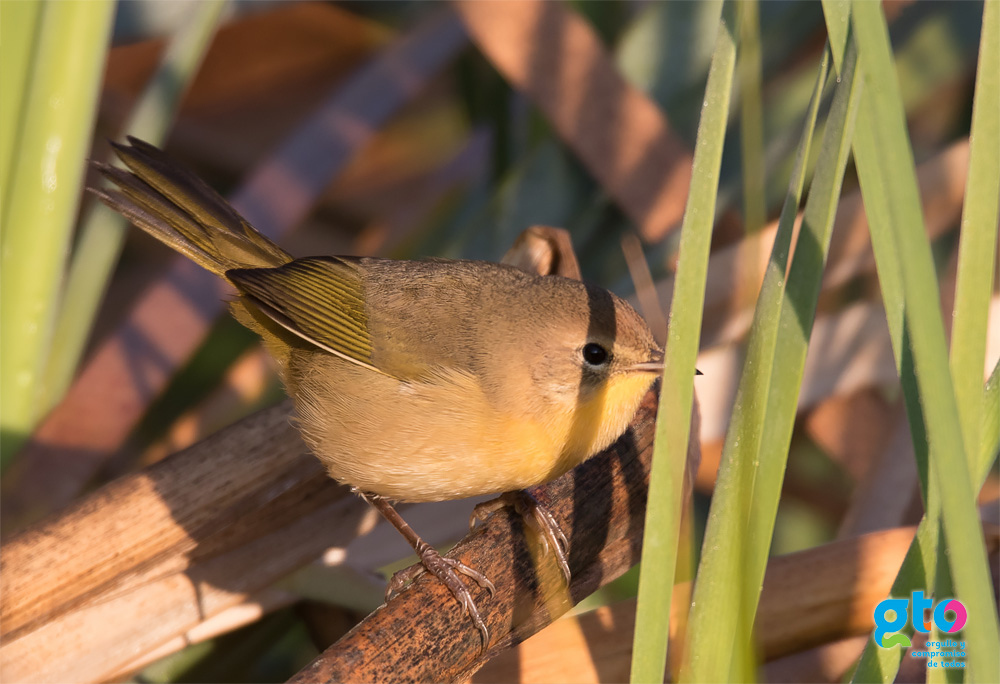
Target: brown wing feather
320	299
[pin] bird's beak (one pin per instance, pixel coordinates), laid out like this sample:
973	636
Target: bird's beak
654	365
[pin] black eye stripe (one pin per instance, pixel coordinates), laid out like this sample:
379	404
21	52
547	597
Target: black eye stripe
594	354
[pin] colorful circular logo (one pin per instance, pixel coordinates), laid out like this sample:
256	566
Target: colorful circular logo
946	625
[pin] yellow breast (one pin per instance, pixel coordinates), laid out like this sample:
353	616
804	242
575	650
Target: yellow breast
599	421
443	439
540	448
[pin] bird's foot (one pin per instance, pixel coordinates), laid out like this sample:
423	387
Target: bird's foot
447	570
536	516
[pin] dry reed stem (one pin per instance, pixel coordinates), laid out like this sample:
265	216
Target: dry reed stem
854	429
889	493
827	663
544	249
230	619
152	555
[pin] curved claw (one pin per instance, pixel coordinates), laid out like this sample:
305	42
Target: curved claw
535	516
481	579
447	571
401	579
550	533
487	508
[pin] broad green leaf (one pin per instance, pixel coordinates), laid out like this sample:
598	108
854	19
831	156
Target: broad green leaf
978	242
752	118
673	424
102	232
45	188
888	183
18	33
741	520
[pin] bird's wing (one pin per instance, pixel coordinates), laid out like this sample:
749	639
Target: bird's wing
319	299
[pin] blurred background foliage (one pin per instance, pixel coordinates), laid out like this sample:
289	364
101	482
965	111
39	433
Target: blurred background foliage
458	169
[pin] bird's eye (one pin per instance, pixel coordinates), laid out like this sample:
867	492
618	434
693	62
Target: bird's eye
594	354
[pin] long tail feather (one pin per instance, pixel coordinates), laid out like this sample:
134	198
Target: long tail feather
175	206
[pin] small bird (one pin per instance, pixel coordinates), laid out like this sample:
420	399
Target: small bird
414	380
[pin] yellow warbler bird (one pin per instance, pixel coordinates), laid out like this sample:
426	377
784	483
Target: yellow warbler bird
414	380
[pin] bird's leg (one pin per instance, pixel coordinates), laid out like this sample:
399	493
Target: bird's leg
445	569
535	516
